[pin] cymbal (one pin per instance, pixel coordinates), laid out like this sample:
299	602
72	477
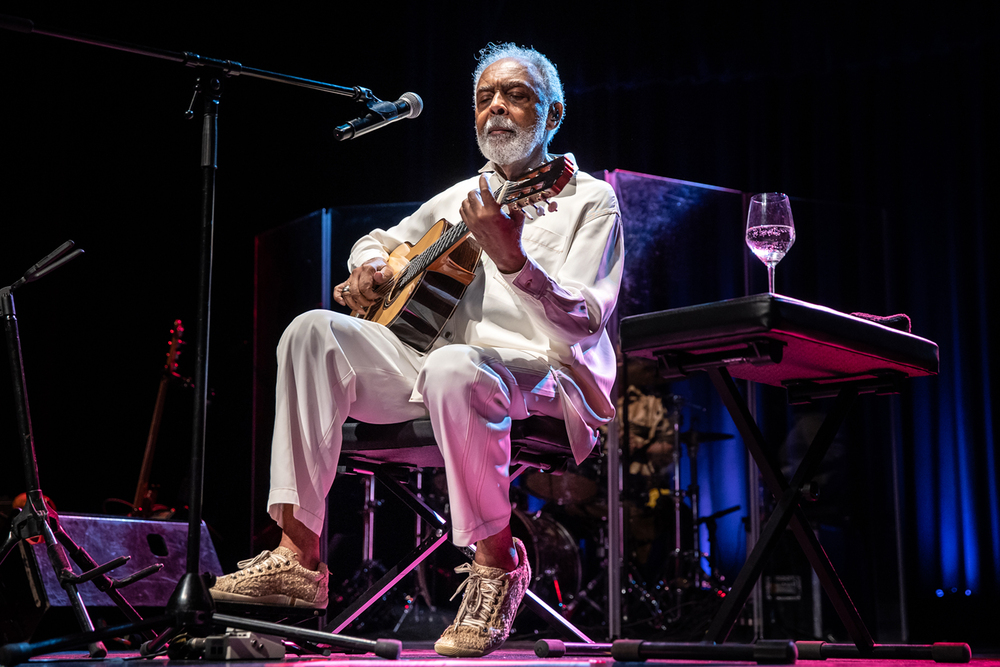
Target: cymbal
561	489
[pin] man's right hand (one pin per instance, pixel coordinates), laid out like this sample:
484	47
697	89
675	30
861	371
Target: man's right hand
359	291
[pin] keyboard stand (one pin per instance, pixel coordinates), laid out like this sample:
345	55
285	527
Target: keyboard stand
813	352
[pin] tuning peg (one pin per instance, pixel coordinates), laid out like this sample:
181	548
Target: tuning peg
552	206
539	209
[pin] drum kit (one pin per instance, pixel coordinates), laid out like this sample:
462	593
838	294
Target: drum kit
667	585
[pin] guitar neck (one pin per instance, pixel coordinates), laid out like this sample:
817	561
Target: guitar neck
143	496
142	488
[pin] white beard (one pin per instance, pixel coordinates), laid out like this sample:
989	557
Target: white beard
507	149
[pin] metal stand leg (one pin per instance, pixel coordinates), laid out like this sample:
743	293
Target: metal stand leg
437	536
769	652
788	511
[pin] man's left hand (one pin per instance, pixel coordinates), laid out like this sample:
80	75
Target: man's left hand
499	234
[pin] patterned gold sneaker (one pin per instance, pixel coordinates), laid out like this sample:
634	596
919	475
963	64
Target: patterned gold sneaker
488	607
275	578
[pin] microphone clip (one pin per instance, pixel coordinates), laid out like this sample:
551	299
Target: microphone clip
379	113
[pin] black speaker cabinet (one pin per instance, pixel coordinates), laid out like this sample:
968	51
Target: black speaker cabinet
33	606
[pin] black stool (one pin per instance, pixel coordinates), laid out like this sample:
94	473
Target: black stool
382	451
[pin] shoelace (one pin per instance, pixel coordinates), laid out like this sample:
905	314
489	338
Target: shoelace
260	562
476	608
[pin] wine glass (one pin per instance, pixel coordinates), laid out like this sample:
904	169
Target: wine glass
770	230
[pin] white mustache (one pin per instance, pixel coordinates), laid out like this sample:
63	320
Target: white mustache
499	123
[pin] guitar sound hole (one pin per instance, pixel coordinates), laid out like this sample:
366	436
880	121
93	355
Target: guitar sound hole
396	290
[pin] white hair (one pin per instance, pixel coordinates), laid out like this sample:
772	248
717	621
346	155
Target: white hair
551	87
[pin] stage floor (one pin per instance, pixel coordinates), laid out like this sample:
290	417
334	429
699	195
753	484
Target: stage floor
513	654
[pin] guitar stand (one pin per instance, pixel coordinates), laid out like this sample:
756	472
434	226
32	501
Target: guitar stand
36	519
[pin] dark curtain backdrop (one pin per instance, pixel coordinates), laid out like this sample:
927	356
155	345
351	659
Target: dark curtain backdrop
885	107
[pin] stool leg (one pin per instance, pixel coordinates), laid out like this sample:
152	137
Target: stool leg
437	536
368	539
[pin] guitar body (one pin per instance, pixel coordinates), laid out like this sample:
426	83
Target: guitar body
418	310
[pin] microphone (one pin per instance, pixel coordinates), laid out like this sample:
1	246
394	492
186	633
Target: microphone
409	105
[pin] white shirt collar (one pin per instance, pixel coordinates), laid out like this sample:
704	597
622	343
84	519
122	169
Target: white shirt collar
490	167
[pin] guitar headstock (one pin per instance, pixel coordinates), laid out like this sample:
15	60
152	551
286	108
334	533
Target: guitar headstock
538	185
175	347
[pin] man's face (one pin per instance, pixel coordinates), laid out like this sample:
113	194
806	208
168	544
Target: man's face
510	118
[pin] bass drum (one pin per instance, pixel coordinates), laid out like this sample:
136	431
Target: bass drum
553	554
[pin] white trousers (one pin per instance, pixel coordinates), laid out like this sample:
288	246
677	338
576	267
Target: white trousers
331	366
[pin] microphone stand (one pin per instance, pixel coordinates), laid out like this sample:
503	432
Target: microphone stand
191	606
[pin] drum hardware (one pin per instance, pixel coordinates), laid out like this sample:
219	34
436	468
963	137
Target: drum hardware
417	603
667	587
667	549
665	578
651	601
693	440
553	551
585	593
713	556
693	491
553	554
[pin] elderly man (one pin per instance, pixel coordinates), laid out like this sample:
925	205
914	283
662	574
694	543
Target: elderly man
528	337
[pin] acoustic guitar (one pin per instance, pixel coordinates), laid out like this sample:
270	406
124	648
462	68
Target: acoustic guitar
431	276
